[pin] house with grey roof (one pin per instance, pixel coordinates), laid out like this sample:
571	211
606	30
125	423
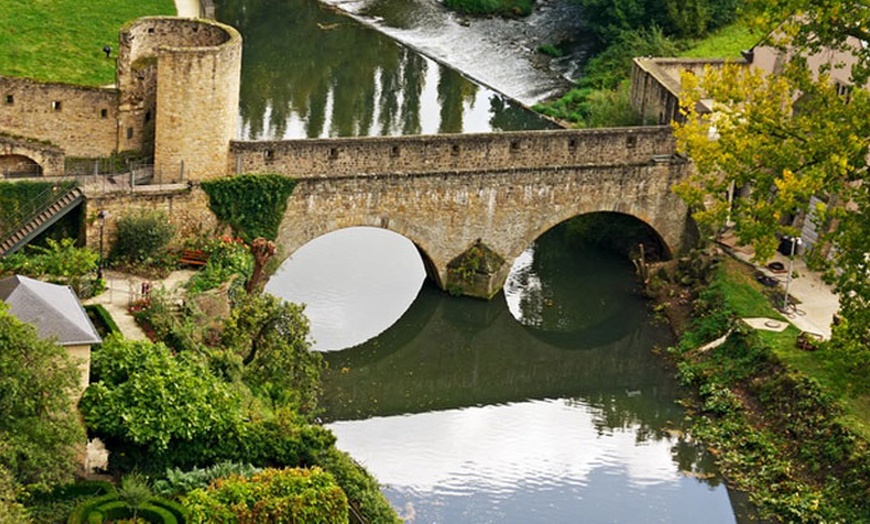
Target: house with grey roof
57	314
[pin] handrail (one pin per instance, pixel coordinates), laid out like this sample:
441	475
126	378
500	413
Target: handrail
37	205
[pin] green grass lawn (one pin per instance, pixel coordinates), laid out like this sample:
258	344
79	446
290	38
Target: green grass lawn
727	42
63	40
745	296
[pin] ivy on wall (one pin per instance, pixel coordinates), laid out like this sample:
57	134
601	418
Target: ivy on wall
251	204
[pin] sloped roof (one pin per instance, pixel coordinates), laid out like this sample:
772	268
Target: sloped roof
54	310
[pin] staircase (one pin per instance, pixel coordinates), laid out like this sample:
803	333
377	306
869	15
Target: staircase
18	236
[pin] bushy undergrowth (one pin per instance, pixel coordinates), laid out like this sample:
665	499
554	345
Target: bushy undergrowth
775	433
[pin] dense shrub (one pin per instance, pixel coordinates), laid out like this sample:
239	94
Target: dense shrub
228	258
361	488
178	482
59	262
142	239
273	495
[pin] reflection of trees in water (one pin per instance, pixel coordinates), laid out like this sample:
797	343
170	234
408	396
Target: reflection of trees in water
298	56
651	415
569	287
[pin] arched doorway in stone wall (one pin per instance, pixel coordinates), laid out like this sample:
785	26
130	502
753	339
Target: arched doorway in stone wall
18	166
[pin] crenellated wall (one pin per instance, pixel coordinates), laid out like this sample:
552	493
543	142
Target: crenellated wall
426	154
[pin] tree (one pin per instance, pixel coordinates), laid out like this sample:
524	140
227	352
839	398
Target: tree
786	137
143	395
271	337
40	433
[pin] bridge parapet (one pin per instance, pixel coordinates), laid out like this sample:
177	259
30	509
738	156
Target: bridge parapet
363	156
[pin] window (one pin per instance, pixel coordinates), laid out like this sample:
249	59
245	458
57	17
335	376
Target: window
129	133
104	113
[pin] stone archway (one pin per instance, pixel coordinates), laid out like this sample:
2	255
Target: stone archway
16	166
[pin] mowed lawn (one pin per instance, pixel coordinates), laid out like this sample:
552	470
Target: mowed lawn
63	40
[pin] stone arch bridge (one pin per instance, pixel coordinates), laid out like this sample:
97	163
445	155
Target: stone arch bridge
472	203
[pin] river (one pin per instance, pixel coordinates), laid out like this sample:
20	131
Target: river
547	403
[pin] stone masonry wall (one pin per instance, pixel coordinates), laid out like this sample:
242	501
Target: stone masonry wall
182	67
466	152
80	120
444	213
22	156
655	86
186	207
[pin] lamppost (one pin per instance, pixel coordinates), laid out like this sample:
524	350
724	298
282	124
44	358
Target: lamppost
102	216
794	243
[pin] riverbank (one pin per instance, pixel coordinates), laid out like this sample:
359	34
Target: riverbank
776	433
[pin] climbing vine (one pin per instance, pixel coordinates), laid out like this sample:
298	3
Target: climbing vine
252	204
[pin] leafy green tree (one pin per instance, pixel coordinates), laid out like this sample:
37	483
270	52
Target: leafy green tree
40	433
271	337
777	140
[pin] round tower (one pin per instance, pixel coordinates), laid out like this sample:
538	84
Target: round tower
179	94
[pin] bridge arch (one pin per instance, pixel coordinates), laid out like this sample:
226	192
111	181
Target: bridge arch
290	239
554	220
19	165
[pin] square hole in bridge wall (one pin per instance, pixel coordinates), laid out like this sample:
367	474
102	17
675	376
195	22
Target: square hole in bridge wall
56	105
104	113
572	144
455	150
10	100
515	146
129	133
333	153
394	151
630	141
269	155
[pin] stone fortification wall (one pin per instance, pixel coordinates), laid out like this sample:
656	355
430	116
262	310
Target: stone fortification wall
471	152
655	86
188	69
80	120
186	207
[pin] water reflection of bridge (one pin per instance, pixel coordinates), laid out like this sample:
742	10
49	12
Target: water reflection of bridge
476	353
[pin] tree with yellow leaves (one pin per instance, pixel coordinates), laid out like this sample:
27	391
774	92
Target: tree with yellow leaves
767	143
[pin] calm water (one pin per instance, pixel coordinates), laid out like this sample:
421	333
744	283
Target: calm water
545	404
308	72
541	405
